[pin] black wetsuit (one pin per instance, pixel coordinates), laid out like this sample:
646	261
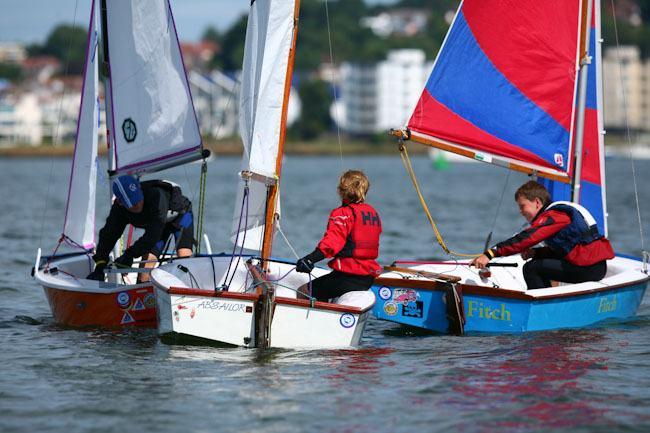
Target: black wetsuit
166	211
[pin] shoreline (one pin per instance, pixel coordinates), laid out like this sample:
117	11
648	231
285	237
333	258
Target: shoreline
230	148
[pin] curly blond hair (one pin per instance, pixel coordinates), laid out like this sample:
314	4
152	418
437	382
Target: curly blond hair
353	186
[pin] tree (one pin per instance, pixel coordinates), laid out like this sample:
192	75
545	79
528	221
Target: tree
66	43
11	72
315	118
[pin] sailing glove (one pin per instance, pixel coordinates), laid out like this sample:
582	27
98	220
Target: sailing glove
98	273
123	261
306	264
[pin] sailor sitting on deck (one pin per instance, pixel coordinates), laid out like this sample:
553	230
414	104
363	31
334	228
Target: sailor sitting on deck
158	207
352	239
575	251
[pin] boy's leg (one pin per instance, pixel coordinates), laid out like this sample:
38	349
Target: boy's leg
538	273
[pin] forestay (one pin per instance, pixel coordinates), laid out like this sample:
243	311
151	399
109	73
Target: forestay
153	118
504	83
261	111
79	224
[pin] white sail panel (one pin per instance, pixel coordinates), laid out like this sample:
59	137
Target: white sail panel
266	59
154	122
269	37
79	224
249	217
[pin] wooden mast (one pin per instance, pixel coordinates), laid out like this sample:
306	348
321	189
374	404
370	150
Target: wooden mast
273	189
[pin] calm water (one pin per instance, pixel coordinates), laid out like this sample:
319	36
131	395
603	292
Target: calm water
57	379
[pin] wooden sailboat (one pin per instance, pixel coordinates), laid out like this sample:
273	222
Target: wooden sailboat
518	87
151	125
239	300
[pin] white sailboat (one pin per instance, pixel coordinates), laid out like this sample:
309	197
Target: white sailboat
240	300
151	125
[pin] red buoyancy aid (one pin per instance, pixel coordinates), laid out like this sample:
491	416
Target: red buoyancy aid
356	246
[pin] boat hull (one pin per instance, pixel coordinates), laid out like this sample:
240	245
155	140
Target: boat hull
487	307
492	313
192	303
229	318
78	302
131	307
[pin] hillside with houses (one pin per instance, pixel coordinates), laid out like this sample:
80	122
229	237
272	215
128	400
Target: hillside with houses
381	58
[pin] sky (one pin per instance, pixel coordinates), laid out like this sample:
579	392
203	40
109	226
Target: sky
30	21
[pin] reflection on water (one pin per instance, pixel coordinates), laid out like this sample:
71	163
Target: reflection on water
539	378
400	380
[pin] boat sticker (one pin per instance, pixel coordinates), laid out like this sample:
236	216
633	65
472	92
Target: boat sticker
123	299
404	296
127	318
192	313
150	300
385	293
176	316
139	306
347	320
413	309
559	159
390	308
129	130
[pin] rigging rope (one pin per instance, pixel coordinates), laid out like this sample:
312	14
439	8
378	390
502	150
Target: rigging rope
628	136
58	125
409	168
336	109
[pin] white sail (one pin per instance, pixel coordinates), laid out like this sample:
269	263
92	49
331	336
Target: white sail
154	122
79	224
266	60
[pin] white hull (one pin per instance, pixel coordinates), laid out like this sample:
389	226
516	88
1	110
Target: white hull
230	316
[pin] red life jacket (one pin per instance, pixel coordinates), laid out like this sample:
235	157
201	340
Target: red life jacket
363	240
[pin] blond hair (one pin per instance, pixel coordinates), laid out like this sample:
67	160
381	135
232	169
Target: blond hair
353	186
532	190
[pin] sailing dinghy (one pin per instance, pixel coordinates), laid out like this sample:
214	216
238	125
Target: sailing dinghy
151	125
519	87
248	301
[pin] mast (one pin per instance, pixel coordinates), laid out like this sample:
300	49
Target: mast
108	100
585	33
273	188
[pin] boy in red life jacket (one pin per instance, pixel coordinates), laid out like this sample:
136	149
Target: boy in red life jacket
574	251
351	240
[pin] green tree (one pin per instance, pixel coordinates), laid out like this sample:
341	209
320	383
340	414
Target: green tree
314	118
68	44
11	72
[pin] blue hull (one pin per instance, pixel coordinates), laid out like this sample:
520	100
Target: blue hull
487	310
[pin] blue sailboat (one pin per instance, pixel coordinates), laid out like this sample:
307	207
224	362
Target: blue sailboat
519	87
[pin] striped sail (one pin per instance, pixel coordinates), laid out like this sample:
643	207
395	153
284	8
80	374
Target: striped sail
79	223
504	83
592	186
261	112
154	123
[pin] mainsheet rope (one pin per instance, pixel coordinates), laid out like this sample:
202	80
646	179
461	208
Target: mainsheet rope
629	139
409	168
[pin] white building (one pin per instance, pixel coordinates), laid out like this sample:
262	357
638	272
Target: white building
626	89
382	96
